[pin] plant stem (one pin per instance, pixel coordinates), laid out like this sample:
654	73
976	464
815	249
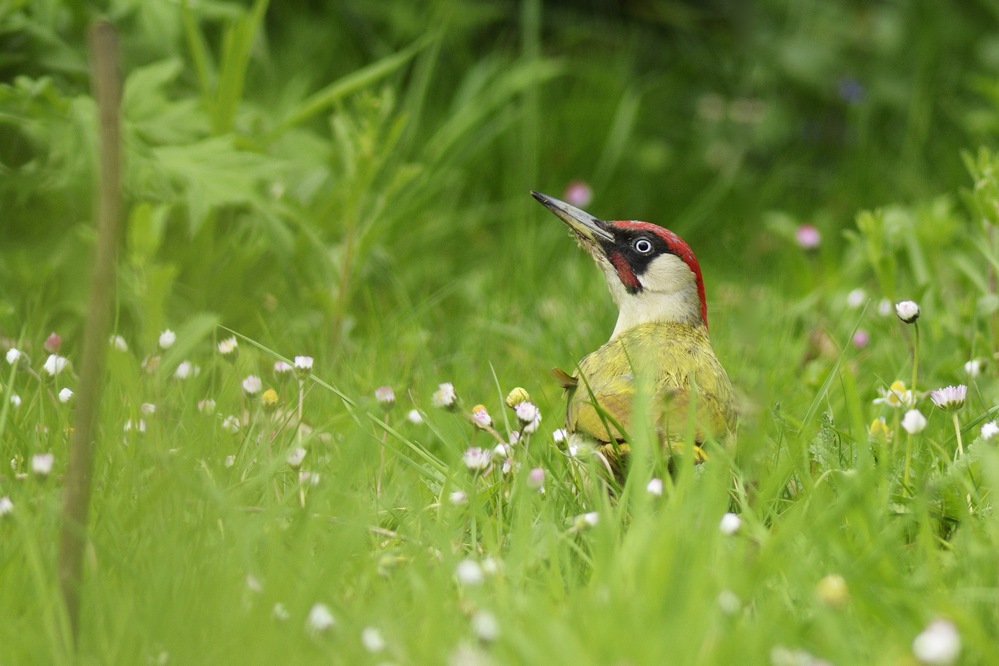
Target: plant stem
381	460
298	435
915	359
908	462
301	405
957	431
76	492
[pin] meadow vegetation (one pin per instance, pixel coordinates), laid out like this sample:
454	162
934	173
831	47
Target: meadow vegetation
328	229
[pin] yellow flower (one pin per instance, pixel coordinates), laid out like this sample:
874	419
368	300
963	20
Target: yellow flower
896	396
517	396
833	591
269	399
879	428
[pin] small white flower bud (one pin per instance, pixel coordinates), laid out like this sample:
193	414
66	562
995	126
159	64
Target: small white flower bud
655	487
907	311
914	422
55	364
385	397
372	639
229	348
303	366
296	456
252	385
41	463
320	619
445	396
469	573
938	643
477	459
167	338
730	524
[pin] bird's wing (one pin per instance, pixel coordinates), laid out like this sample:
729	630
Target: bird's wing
711	411
601	408
716	406
564	379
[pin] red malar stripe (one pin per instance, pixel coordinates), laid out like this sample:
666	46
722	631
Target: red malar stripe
628	278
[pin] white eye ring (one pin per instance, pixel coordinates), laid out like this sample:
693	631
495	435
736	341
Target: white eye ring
643	246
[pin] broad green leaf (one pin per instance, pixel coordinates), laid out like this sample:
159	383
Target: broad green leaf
213	173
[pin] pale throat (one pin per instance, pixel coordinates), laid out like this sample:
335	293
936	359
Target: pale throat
668	294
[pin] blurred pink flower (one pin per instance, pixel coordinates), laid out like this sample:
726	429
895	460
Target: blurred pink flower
536	478
52	343
578	193
807	237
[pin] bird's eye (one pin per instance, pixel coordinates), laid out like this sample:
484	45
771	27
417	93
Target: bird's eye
642	245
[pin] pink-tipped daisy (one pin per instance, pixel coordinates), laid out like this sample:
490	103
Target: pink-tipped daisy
949	398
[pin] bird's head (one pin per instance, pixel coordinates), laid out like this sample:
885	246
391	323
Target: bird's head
652	273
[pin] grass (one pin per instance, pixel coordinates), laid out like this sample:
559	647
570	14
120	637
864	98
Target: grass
375	215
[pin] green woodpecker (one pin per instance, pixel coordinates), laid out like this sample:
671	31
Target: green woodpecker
661	335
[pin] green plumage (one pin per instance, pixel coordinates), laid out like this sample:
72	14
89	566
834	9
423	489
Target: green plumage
675	358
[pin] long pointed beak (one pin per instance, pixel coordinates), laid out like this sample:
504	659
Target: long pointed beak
585	225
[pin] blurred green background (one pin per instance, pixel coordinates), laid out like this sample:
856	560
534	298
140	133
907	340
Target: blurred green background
350	181
346	173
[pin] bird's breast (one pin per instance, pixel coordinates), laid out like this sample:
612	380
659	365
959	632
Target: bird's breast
670	361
